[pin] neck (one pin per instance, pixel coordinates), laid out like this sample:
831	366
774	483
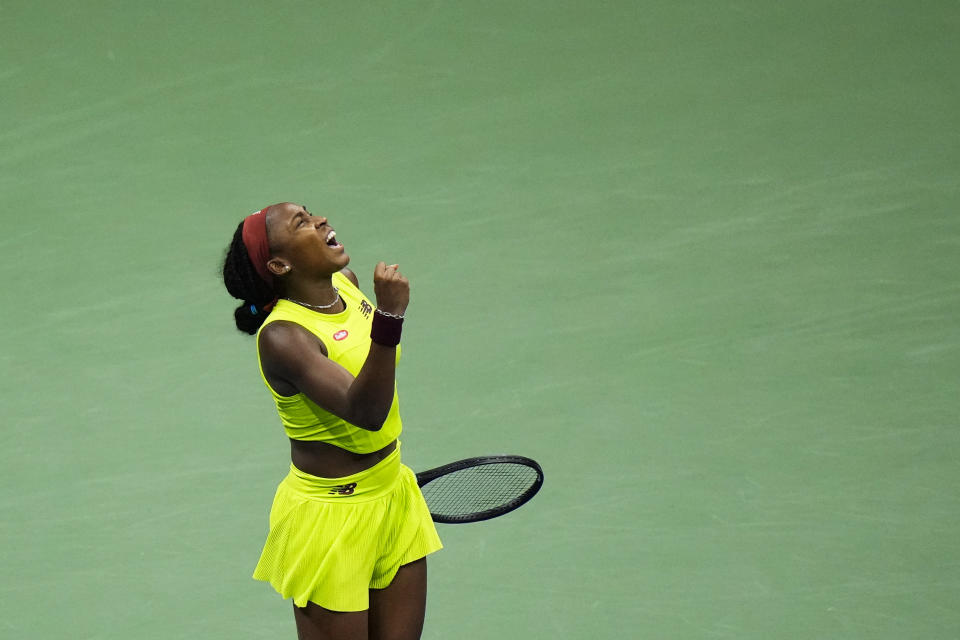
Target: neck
316	294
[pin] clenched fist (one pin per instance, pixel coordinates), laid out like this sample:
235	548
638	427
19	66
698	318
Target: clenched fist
391	288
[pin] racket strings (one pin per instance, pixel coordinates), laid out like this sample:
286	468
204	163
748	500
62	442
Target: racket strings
478	489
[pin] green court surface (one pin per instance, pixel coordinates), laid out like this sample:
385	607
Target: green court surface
700	259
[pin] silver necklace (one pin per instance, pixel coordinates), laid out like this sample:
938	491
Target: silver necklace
336	299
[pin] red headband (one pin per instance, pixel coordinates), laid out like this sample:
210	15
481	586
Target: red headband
255	239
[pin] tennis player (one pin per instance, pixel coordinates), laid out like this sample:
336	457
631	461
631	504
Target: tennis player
349	529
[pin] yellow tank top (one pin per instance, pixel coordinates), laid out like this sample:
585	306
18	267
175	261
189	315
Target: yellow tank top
346	336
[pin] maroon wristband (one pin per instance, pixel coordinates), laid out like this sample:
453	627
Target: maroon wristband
385	329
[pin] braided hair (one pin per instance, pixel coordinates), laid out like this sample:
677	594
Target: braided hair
243	283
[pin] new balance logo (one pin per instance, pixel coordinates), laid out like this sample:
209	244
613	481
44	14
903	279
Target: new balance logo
365	308
343	489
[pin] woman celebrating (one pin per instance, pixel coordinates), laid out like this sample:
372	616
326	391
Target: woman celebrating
349	529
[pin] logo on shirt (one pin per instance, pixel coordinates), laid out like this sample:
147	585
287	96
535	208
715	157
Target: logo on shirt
365	308
340	335
343	489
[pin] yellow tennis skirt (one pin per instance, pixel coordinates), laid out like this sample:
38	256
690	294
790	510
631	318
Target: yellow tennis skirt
331	540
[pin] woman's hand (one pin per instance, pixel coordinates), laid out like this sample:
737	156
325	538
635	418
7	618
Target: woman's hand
391	288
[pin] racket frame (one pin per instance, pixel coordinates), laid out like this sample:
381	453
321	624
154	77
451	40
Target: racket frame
425	477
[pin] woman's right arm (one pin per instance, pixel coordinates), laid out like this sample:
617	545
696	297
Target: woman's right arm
294	360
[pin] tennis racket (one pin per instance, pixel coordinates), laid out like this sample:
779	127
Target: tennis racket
480	488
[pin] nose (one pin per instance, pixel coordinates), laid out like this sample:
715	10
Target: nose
320	221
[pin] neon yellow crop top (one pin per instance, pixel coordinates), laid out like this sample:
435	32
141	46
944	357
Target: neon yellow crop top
346	336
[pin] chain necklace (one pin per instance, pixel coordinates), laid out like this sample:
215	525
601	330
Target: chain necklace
336	299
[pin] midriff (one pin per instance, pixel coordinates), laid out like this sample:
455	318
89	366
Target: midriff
329	461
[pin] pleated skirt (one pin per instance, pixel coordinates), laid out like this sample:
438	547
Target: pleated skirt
331	540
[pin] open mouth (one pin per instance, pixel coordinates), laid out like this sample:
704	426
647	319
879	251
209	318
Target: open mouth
332	240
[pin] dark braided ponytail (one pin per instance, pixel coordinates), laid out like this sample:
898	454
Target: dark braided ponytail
243	282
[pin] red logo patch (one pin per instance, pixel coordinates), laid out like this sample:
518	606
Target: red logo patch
340	335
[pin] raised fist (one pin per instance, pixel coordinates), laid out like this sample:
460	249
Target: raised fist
391	288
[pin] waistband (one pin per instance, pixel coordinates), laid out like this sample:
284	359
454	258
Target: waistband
368	484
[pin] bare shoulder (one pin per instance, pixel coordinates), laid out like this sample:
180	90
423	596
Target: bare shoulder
287	352
351	276
281	339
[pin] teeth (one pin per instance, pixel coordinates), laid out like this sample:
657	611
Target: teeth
331	236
